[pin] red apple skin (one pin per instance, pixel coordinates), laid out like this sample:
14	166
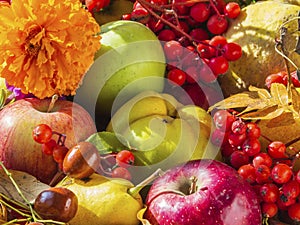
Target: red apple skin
19	151
223	198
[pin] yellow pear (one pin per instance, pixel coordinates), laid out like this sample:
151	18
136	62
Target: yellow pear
256	30
104	201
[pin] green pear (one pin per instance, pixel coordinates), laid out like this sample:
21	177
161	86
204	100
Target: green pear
104	201
255	30
130	60
161	139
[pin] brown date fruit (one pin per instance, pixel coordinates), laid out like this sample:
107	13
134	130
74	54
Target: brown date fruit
81	160
56	203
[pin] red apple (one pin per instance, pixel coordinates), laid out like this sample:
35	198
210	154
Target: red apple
218	196
19	151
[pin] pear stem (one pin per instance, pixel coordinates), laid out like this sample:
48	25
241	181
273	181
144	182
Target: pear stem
53	100
135	190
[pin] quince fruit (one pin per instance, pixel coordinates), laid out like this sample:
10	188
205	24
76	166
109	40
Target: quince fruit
104	201
256	30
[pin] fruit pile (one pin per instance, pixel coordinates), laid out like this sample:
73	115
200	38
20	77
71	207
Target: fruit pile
192	38
271	172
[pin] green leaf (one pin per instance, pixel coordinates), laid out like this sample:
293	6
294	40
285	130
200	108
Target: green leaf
108	142
3	97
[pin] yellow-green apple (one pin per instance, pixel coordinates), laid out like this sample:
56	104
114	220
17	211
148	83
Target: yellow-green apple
130	59
202	192
19	151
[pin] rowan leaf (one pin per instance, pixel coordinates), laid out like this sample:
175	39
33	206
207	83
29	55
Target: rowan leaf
295	100
264	114
28	184
285	119
279	94
240	100
261	92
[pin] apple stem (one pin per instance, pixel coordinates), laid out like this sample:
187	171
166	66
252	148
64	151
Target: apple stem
135	190
53	100
193	187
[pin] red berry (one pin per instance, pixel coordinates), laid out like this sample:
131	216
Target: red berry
199	34
42	133
262	158
219	65
218	41
281	173
204	50
124	158
269	192
236	139
263	174
253	130
177	76
232	51
200	12
121	172
217	24
173	50
223	119
294	212
248	173
269	210
291	189
59	153
238	127
275	78
140	14
232	10
277	150
47	148
238	159
166	35
251	146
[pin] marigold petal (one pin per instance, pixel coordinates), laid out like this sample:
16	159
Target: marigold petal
49	46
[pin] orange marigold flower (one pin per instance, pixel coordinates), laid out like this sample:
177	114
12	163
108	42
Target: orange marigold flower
46	46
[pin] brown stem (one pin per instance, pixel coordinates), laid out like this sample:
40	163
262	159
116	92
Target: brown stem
52	103
193	187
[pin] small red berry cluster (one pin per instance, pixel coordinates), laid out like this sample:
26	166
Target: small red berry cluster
272	173
193	26
43	134
95	5
282	78
116	164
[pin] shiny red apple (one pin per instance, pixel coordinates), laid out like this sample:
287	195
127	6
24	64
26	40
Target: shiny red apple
19	151
204	192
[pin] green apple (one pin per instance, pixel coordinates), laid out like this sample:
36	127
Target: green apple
131	60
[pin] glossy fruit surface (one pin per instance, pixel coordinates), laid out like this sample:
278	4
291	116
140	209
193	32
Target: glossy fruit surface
81	161
56	203
19	151
220	196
